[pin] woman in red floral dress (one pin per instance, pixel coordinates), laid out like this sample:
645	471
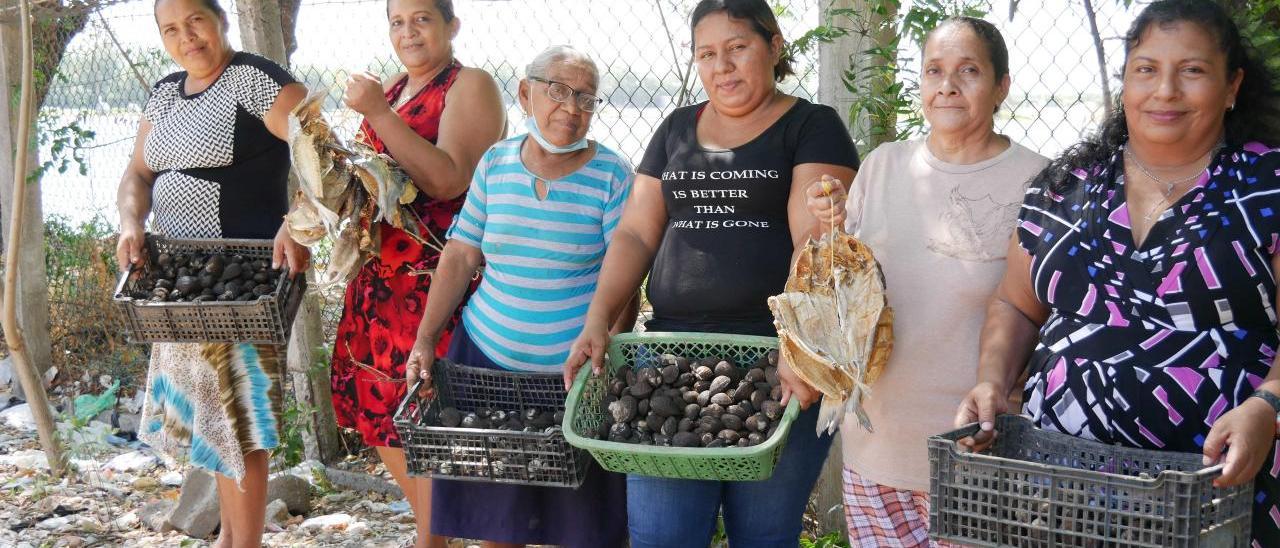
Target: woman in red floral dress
436	120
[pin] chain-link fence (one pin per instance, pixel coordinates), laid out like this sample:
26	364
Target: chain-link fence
641	47
101	63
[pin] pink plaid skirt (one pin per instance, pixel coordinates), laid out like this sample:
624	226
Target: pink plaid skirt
884	517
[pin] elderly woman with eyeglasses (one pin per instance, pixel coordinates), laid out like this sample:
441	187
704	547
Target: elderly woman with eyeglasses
541	211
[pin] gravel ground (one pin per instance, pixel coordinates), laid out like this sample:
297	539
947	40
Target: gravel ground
100	505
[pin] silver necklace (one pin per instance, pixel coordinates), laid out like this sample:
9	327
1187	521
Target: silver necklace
1169	186
405	97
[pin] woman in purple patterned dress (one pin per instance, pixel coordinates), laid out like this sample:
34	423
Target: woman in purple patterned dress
1144	264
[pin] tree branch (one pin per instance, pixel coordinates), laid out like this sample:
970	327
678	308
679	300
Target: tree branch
146	88
1101	52
32	384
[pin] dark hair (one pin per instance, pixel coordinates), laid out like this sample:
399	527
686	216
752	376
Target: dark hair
445	7
211	5
1255	117
762	20
990	36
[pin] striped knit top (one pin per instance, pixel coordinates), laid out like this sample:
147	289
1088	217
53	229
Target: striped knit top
542	257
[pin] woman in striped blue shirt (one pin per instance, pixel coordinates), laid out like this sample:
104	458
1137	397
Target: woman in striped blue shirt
540	212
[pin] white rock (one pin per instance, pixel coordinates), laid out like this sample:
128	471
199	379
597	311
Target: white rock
135	461
328	522
172	478
49	375
19	417
17	484
134	404
277	511
129	422
54	523
86	465
293	490
26	459
197	513
86	524
307	470
91	436
340	497
379	507
110	489
358	528
127	521
105	381
399	506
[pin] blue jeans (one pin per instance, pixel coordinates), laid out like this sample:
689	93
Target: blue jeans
670	513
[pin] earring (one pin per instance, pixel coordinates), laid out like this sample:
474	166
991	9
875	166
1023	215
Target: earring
1231	107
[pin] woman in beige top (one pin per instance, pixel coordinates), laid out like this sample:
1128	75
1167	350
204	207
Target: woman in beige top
937	211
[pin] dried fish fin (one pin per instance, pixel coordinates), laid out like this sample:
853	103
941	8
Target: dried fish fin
830	414
882	346
345	260
409	194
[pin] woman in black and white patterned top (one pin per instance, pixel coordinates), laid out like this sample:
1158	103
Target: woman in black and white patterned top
211	161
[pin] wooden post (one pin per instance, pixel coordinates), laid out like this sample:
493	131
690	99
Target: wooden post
837	58
260	32
828	493
833	59
27	373
33	288
847	55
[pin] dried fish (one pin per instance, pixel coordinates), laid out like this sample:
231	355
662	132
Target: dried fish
346	191
834	323
389	187
323	175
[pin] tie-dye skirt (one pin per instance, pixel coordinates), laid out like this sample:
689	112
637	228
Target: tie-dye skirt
212	403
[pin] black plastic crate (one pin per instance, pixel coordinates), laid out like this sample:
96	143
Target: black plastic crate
265	320
1044	489
489	455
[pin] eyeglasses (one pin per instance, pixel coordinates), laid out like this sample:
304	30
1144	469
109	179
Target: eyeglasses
560	93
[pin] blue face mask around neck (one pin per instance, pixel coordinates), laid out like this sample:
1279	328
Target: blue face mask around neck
532	125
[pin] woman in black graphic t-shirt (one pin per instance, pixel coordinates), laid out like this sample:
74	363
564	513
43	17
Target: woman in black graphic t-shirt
715	211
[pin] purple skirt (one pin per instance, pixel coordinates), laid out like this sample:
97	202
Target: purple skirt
593	515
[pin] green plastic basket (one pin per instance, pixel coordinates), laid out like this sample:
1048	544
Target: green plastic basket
585	411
